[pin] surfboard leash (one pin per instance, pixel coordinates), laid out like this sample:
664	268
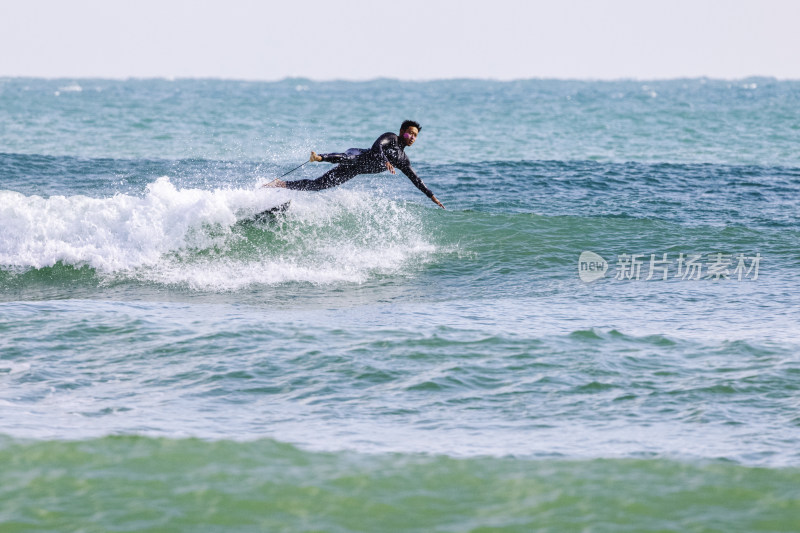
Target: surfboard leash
295	168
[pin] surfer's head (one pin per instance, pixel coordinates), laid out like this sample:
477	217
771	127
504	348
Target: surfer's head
409	130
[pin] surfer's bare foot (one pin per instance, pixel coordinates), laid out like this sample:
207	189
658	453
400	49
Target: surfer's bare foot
276	183
315	157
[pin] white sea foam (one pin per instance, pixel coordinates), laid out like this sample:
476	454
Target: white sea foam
189	237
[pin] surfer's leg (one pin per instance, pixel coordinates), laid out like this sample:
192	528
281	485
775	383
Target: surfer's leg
332	178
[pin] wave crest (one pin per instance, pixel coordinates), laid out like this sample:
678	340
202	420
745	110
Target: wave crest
194	237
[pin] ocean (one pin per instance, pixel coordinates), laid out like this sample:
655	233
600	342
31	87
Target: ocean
599	334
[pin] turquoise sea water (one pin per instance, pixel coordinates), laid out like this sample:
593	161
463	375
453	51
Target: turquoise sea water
367	362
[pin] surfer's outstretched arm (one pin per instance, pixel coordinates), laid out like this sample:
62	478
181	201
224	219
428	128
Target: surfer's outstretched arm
418	183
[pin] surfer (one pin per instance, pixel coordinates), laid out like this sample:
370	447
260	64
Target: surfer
387	152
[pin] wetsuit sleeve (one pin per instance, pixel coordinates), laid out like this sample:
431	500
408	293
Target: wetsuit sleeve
408	171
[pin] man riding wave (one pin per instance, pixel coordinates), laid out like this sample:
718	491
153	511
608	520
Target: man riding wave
387	152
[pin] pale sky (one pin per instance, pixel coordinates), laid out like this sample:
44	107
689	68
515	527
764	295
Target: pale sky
411	39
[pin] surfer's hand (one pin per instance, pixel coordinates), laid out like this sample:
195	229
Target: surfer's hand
315	158
437	202
389	167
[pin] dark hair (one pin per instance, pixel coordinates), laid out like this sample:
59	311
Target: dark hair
408	123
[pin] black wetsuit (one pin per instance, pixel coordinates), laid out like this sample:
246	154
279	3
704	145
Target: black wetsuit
357	161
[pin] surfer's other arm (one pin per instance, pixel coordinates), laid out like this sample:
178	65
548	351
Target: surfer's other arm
419	184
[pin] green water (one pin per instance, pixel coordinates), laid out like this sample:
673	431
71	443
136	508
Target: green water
145	484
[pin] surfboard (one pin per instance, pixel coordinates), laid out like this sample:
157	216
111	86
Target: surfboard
268	215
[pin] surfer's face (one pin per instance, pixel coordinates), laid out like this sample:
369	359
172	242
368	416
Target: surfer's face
410	135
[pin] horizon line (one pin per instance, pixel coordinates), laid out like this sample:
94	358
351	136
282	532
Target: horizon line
404	80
